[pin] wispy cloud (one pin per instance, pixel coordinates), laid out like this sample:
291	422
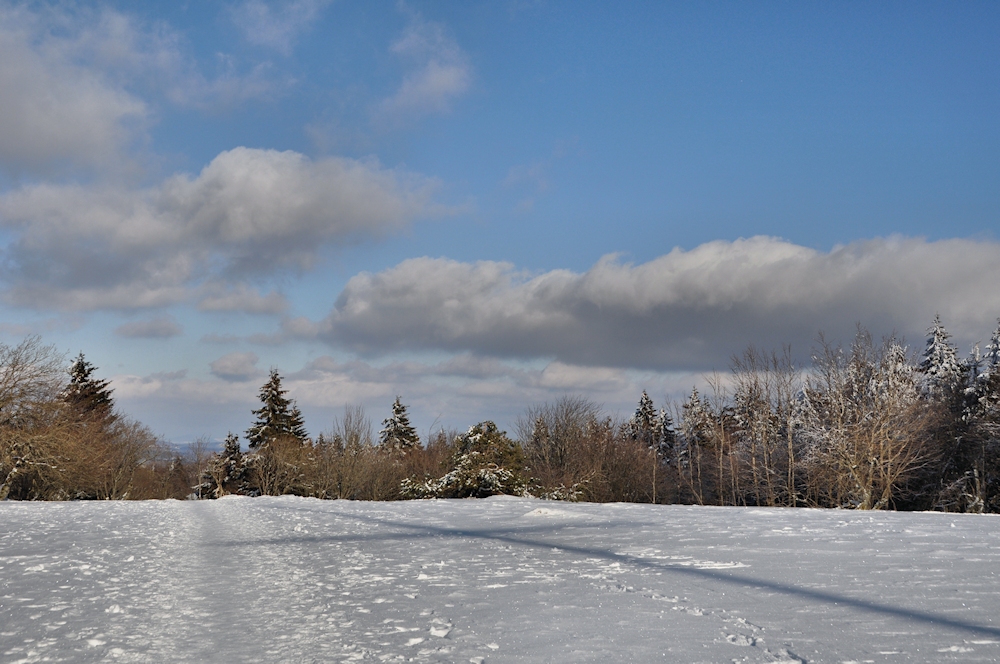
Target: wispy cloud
685	310
276	25
241	297
439	72
452	393
155	328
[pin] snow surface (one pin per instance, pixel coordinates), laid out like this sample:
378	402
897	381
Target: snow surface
497	580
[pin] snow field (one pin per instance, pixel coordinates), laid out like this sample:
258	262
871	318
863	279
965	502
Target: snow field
497	580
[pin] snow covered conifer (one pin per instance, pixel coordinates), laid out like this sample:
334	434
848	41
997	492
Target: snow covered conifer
942	372
396	433
696	423
986	390
664	436
485	463
643	424
89	397
278	416
225	471
991	355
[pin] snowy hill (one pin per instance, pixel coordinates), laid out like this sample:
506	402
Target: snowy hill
497	580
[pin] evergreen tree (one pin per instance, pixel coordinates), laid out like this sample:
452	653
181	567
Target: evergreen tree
643	424
226	471
940	366
991	357
278	416
485	462
664	435
984	386
89	397
696	422
396	433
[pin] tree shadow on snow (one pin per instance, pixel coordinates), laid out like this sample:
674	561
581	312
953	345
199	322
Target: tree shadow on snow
526	536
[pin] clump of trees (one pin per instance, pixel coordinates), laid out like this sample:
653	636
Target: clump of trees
867	426
61	436
864	427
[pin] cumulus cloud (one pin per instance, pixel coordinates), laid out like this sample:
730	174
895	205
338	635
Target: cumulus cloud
74	80
440	72
155	328
55	111
684	310
248	213
276	27
236	367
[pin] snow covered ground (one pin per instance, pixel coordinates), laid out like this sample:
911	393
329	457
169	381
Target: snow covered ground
497	580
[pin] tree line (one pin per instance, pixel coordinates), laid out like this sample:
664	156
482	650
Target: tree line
867	426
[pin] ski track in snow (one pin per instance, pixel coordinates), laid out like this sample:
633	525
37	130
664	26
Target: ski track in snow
497	580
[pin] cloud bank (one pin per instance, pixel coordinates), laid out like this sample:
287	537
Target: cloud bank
248	213
686	310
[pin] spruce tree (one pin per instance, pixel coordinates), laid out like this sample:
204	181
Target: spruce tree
225	471
940	366
396	433
278	416
644	422
664	435
991	356
696	421
89	397
987	386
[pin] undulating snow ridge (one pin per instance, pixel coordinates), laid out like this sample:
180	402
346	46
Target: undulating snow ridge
496	580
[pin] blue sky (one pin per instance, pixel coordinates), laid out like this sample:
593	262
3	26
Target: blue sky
481	205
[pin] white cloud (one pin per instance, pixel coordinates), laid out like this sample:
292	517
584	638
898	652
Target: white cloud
54	111
276	27
78	86
236	367
154	59
685	310
249	212
155	328
440	72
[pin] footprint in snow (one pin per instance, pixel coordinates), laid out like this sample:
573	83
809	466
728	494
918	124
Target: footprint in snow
741	640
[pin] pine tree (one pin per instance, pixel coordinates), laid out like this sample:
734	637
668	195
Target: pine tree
396	433
940	366
278	417
89	397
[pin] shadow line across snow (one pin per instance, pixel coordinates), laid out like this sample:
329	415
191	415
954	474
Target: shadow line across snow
517	536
